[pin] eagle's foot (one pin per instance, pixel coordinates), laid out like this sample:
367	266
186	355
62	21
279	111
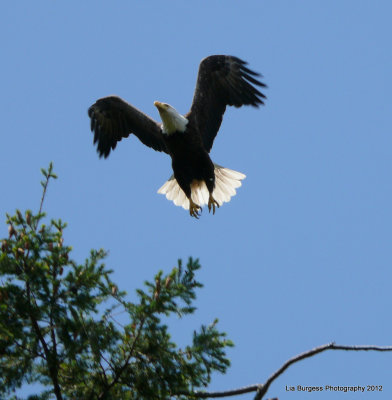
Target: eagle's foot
212	203
194	209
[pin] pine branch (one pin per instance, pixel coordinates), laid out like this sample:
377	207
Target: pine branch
125	364
49	359
47	174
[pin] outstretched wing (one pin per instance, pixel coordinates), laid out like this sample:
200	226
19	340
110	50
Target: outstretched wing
113	119
222	81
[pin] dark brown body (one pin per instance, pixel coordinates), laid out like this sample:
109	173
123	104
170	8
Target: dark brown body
190	160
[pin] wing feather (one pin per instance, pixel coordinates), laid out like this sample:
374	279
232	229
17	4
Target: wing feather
113	119
222	81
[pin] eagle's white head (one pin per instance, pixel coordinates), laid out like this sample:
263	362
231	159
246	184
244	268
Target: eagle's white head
172	120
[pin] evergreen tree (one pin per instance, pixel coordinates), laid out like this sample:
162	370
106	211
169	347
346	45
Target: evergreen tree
57	326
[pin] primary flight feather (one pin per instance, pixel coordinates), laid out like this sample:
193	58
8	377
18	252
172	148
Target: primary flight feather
222	81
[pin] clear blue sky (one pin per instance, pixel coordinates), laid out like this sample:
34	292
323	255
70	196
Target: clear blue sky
302	255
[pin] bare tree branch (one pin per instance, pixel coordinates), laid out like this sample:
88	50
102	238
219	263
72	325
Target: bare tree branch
261	389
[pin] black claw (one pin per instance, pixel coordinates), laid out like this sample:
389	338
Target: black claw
196	212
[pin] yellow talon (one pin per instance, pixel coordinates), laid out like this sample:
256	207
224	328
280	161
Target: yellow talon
212	203
194	209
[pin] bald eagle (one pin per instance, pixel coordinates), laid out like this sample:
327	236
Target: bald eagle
222	81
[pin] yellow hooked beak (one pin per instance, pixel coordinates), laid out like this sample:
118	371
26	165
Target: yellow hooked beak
159	105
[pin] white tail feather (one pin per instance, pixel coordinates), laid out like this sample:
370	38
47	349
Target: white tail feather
226	183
